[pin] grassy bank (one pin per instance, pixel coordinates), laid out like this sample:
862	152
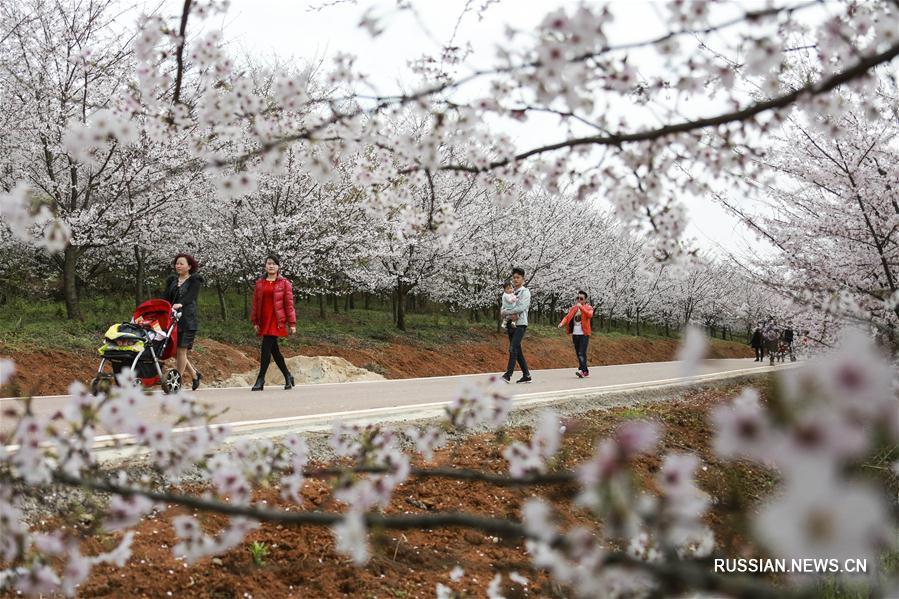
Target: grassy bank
36	325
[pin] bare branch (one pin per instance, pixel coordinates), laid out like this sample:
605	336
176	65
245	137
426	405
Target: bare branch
179	52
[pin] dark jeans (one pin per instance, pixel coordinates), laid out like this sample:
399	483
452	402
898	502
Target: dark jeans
759	353
580	349
271	350
515	353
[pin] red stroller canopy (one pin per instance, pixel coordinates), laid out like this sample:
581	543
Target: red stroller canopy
155	309
160	311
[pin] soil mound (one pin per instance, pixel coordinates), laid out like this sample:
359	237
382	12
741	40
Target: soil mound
305	369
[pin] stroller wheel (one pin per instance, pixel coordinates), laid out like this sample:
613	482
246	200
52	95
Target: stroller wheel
172	381
101	384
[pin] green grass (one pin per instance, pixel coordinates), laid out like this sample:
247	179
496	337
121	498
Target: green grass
27	325
634	413
258	552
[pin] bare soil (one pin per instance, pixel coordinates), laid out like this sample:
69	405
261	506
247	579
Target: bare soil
302	561
49	372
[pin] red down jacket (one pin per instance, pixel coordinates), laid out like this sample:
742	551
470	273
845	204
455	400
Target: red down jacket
284	311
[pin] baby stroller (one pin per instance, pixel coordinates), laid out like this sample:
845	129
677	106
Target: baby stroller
141	345
782	350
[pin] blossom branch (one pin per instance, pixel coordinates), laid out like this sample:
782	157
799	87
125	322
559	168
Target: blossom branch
672	576
506	528
619	139
555	478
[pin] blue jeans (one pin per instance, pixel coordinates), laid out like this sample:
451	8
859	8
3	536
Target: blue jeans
515	353
580	349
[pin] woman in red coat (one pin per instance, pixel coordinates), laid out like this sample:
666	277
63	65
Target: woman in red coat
578	322
272	315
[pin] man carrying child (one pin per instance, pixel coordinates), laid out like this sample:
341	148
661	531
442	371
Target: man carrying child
516	321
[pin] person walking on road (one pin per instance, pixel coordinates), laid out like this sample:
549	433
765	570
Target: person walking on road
182	290
771	337
756	342
787	337
578	322
272	314
516	333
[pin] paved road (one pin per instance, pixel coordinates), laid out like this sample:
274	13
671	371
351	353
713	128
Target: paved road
316	406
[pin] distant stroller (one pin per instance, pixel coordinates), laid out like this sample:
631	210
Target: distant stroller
141	345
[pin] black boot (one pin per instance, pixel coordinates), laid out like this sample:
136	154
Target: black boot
288	381
196	382
260	383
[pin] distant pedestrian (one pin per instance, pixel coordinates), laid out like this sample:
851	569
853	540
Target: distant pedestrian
516	333
272	314
510	301
578	322
787	337
771	337
757	343
182	290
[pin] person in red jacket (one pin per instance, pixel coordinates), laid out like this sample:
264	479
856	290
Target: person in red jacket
578	322
272	314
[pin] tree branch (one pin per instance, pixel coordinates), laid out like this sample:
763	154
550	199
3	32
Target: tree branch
179	52
618	139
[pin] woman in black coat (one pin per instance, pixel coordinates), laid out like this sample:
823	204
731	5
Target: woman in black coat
758	344
182	290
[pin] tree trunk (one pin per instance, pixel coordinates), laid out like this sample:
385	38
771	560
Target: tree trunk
352	302
367	297
401	292
321	306
139	275
393	305
346	304
246	307
638	323
70	290
221	293
336	307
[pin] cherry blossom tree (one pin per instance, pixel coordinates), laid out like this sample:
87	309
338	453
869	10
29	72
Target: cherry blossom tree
63	72
833	216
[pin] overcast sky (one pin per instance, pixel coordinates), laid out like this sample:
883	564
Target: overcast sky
319	29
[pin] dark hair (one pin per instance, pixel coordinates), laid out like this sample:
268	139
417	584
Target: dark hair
518	271
191	262
584	293
273	258
507	283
